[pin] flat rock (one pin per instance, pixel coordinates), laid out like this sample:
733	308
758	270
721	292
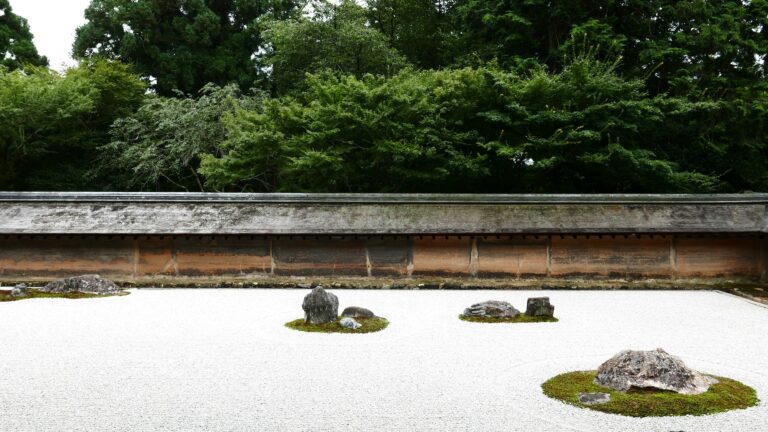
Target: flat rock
320	306
539	307
594	398
350	323
492	309
357	312
90	284
651	369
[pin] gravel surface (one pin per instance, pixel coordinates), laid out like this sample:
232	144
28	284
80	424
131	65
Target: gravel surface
221	360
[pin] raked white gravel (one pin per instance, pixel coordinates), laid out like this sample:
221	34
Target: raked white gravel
221	360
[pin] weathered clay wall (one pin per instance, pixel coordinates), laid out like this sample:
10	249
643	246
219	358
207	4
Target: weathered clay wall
567	256
140	236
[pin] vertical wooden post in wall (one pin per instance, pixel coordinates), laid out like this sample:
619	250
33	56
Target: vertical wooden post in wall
368	265
549	256
272	256
473	258
673	256
763	257
409	265
136	257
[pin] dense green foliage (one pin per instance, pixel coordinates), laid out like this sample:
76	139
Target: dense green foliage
393	96
584	129
419	29
726	395
335	38
679	45
182	44
16	47
159	147
51	123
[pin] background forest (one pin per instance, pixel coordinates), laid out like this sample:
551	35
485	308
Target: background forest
392	96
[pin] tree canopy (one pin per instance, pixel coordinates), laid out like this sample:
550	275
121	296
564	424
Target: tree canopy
51	123
335	37
394	96
16	46
181	44
471	130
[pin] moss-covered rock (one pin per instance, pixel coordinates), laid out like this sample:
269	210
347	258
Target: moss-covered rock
725	395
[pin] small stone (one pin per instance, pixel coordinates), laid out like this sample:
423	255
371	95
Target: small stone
350	323
20	290
651	369
492	309
90	284
539	307
594	398
320	307
357	312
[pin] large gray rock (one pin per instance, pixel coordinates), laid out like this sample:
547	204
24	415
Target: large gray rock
492	309
20	290
320	307
651	369
90	284
539	307
357	312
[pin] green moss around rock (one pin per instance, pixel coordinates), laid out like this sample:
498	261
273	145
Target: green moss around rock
5	295
369	325
522	318
724	396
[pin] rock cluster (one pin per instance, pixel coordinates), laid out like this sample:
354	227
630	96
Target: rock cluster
492	309
539	307
320	306
651	369
90	284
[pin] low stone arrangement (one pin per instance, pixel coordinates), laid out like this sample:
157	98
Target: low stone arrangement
85	286
648	384
539	309
321	314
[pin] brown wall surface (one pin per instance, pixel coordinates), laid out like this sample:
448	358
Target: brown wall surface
515	257
611	256
512	257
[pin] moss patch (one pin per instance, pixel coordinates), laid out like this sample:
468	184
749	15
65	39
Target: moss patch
5	296
522	318
369	325
727	395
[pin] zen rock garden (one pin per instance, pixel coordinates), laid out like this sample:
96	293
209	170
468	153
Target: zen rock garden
538	309
631	383
649	383
85	286
321	315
